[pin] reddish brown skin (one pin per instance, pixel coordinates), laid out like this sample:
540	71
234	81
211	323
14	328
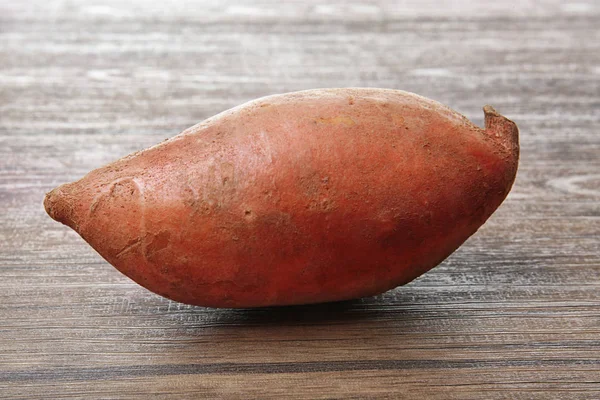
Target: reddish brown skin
306	197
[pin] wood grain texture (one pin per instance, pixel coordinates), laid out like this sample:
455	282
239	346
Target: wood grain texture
513	314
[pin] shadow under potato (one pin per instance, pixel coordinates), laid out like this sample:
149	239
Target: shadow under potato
380	307
302	314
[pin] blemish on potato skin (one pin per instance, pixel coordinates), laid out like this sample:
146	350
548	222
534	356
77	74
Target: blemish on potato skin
321	205
129	246
249	216
339	120
398	119
158	243
227	173
327	205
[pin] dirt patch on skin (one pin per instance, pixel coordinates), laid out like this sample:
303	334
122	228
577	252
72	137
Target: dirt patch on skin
323	205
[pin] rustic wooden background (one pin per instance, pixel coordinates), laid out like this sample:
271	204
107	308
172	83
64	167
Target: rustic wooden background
514	314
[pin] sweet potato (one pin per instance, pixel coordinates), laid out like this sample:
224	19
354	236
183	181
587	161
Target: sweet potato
306	197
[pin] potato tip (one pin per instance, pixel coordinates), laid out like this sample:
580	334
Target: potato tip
502	130
57	205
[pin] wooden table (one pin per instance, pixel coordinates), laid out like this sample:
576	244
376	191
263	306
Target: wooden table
513	314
